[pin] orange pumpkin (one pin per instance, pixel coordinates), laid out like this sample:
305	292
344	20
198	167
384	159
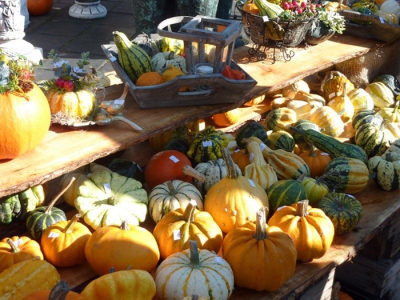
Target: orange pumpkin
166	165
60	290
16	249
122	248
39	7
241	158
63	243
316	160
26	120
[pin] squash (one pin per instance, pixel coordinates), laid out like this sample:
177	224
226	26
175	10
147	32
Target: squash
171	72
287	165
316	160
123	284
258	170
251	128
227	118
281	140
228	200
107	198
343	106
262	257
360	99
124	246
80	175
315	189
375	140
16	249
328	120
285	192
366	116
347	175
255	100
381	94
159	141
390	114
60	291
194	271
206	174
171	195
149	79
280	119
388	79
163	59
335	84
63	243
386	170
127	168
291	90
310	228
28	122
302	125
206	145
25	277
344	210
241	157
175	230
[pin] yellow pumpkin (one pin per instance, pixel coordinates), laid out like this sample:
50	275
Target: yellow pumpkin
149	78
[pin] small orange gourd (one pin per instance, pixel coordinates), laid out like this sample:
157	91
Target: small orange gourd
316	160
60	291
149	78
241	158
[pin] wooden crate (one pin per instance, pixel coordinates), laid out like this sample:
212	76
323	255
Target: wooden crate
321	289
367	278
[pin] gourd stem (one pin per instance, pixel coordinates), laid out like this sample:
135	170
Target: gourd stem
302	208
190	171
124	225
188	215
230	164
194	254
14	248
59	291
71	223
261	232
171	188
312	151
50	206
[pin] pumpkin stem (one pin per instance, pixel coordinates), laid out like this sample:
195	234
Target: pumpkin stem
14	248
50	206
312	151
261	233
188	170
230	164
302	208
59	291
124	225
171	188
194	254
188	215
71	223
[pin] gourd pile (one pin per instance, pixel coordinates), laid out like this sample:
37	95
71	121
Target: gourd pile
226	210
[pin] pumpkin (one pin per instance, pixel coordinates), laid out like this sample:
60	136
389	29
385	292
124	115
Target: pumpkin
149	78
258	170
80	175
162	60
42	217
335	84
175	230
16	249
251	128
386	170
60	291
344	210
124	284
206	174
241	158
262	257
71	105
107	198
281	140
316	160
227	118
206	145
194	271
25	277
235	199
381	94
171	72
310	228
125	246
171	195
28	120
328	120
166	165
347	175
280	119
287	165
315	189
39	7
63	243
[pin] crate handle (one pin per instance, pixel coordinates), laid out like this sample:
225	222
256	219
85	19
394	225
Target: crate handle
203	92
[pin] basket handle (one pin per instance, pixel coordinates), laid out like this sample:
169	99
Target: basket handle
203	92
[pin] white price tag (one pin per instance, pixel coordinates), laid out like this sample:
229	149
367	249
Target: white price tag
119	101
332	95
382	20
280	207
262	146
174	158
251	156
252	183
324	154
218	260
53	235
176	234
193	202
107	188
207	143
113	58
18	242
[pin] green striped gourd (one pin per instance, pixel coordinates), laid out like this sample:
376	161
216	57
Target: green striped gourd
133	59
344	210
287	165
249	129
375	140
366	116
206	145
285	192
333	146
302	124
281	140
280	119
346	175
386	170
269	9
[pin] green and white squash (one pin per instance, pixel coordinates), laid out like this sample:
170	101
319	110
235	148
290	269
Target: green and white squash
170	196
375	140
386	170
206	145
346	175
162	60
280	119
390	114
107	198
365	116
10	209
281	140
344	210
